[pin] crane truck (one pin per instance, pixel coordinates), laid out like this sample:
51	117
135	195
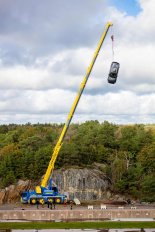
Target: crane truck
46	192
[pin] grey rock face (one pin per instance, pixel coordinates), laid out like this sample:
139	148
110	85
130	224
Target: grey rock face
84	184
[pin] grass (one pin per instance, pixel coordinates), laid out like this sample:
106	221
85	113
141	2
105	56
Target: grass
75	225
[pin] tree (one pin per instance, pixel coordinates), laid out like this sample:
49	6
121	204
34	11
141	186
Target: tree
107	135
147	158
3	129
148	188
9	179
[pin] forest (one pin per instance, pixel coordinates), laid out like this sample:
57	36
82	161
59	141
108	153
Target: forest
126	152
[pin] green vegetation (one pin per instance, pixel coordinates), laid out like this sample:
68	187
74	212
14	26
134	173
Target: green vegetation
75	225
127	152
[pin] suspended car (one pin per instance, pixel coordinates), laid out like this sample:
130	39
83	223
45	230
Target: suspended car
113	73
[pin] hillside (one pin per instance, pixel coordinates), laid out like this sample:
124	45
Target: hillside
125	154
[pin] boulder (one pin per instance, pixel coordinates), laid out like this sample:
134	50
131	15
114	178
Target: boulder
2	196
12	193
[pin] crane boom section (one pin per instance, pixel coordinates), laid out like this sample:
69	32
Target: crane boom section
73	108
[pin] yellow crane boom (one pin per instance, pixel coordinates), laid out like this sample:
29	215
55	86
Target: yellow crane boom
71	113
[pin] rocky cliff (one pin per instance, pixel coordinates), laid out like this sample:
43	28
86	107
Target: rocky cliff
84	184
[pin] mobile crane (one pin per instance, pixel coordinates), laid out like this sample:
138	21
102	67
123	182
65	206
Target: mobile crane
46	192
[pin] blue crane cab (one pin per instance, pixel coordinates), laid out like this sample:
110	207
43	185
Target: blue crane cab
49	194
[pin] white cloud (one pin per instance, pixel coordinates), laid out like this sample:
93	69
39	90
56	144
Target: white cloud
48	104
42	87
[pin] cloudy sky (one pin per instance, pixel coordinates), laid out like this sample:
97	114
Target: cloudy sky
45	50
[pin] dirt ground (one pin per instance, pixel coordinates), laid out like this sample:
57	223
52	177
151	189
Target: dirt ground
96	205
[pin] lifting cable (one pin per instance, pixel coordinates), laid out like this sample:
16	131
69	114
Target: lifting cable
112	40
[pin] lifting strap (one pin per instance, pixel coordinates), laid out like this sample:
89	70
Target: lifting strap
112	39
